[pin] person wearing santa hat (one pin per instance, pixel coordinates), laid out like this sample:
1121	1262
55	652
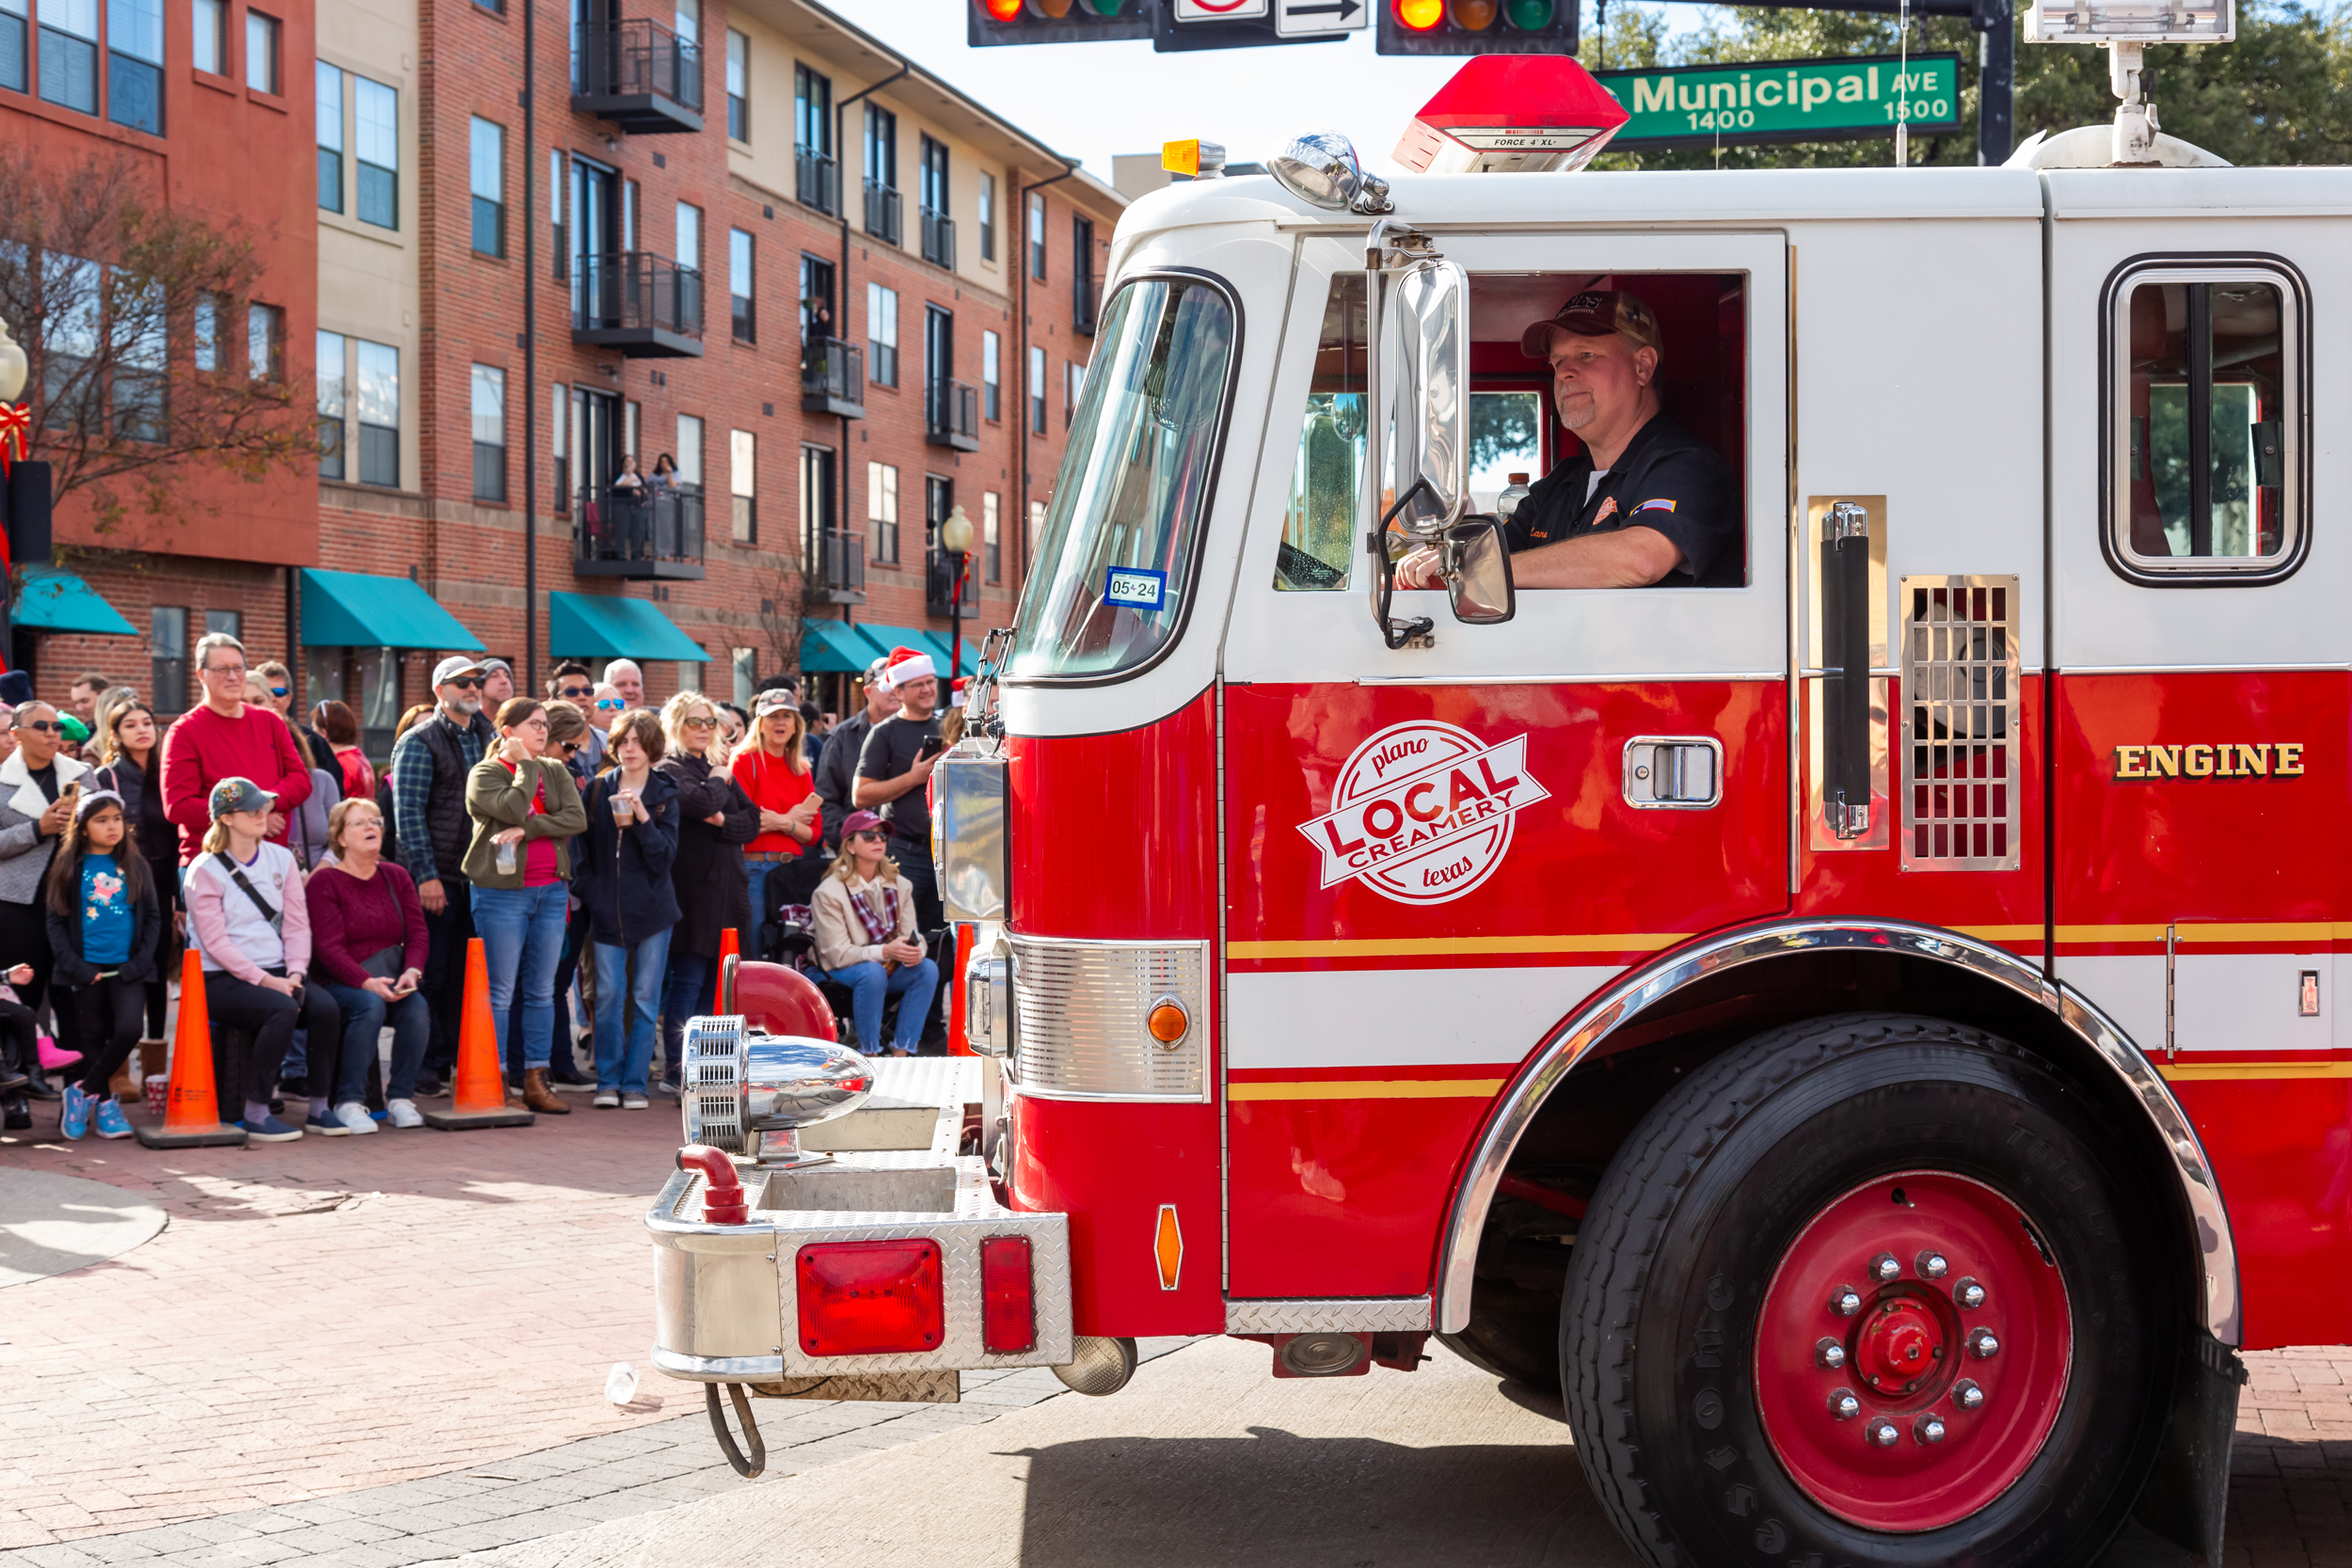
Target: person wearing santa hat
893	772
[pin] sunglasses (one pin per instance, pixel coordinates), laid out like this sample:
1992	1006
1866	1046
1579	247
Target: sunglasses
576	694
463	682
277	691
43	725
608	703
876	834
567	746
702	724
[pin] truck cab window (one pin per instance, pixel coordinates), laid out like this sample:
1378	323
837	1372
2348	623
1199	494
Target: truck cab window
1319	525
2205	444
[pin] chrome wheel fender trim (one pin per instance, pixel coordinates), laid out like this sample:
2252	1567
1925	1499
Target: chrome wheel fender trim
2218	1304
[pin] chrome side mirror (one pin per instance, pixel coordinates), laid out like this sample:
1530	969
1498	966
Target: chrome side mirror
1478	572
1432	340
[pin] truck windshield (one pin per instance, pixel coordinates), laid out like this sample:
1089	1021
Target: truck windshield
1115	559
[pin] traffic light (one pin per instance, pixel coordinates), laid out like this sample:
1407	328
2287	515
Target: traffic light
999	22
1477	26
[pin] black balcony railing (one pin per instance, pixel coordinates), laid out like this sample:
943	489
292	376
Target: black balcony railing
817	180
939	239
647	306
951	415
838	570
639	532
833	378
640	75
881	213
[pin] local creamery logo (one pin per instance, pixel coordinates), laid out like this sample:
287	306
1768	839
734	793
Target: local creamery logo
1422	810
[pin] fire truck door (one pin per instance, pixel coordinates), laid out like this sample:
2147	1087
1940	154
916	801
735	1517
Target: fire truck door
1432	854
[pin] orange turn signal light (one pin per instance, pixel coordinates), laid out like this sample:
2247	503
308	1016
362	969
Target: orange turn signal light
1167	1021
1182	157
1167	1248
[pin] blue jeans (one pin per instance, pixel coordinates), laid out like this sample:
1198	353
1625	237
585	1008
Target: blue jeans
754	936
687	993
644	1007
868	989
522	936
364	1016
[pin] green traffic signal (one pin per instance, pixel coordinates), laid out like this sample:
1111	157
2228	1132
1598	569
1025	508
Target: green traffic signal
1528	15
1103	8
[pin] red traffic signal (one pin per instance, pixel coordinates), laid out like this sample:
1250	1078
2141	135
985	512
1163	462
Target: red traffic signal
1005	22
1477	28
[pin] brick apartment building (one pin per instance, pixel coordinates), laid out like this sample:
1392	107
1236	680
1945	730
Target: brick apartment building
844	297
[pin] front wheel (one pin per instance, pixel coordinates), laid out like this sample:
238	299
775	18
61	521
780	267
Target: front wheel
1869	1288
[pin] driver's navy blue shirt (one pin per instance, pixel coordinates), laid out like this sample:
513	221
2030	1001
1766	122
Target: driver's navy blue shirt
1666	479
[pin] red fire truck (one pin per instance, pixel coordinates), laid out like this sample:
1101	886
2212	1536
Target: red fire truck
1868	1035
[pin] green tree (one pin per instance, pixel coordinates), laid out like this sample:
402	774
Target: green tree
2280	94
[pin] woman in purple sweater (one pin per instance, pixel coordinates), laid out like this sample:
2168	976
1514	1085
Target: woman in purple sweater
368	947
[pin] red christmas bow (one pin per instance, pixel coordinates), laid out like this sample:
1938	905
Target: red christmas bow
16	425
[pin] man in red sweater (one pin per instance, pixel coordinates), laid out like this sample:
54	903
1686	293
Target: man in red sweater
223	738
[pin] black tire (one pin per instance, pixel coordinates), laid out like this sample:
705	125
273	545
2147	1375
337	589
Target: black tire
1694	1215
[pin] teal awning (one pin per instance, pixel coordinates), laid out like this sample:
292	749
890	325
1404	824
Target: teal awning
836	648
592	626
352	610
59	601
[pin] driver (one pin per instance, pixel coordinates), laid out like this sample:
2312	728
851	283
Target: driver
1646	502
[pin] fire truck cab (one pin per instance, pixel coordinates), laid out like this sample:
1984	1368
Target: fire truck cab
1866	1035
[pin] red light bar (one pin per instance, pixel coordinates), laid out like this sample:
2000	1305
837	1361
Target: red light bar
870	1298
1512	113
1008	1294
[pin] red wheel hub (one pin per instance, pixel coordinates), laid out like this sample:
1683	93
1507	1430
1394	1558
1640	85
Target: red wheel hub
1913	1352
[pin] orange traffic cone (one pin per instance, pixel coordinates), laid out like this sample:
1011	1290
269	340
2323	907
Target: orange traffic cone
729	947
479	1097
191	1106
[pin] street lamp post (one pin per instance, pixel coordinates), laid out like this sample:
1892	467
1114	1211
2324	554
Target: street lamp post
955	541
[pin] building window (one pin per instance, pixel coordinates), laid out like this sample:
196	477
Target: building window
817	177
135	64
265	342
740	287
14	51
992	540
261	52
68	53
822	556
739	85
210	313
690	236
881	336
1036	391
1082	300
1037	234
559	407
882	174
332	405
229	622
685	20
689	450
988	217
379	415
881	511
488	176
138	326
209	21
376	114
328	95
992	377
168	658
489	434
743	484
744	663
1074	385
939	228
939	499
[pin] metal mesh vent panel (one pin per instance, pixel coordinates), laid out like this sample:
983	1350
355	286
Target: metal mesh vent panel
1959	701
1079	1011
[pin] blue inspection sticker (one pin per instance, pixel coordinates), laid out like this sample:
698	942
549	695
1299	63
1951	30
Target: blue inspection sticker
1134	588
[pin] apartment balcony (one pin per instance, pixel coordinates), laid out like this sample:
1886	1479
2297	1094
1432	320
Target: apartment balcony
640	534
644	305
837	574
883	213
951	415
939	239
640	75
833	378
817	180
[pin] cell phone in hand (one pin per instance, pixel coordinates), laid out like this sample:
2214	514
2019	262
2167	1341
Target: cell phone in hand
932	747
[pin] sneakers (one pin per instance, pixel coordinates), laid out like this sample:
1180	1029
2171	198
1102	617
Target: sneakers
269	1130
403	1113
355	1118
327	1125
607	1100
633	1102
112	1123
75	1123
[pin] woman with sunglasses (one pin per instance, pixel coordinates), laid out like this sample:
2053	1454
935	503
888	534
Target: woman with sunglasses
865	920
715	820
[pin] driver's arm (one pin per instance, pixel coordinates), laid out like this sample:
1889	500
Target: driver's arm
1625	557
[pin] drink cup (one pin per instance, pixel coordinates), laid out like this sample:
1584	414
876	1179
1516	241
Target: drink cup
621	809
157	1087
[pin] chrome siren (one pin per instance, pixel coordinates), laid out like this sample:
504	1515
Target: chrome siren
750	1093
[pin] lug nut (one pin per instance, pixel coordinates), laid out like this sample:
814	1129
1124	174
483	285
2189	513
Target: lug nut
1966	1395
1830	1353
1884	1432
1845	1301
1884	1269
1969	1294
1984	1344
1843	1405
1931	1265
1929	1428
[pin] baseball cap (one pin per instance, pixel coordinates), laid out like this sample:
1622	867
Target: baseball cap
490	664
456	665
878	673
235	794
864	821
774	698
1595	313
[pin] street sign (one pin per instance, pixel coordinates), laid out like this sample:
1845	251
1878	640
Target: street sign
1219	10
1299	18
1786	101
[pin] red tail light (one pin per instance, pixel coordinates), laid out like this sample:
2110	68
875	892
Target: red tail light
870	1298
1008	1291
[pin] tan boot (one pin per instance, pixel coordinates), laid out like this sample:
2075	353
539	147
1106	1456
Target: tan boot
539	1096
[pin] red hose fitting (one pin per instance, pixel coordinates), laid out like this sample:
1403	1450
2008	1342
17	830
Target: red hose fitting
723	1192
